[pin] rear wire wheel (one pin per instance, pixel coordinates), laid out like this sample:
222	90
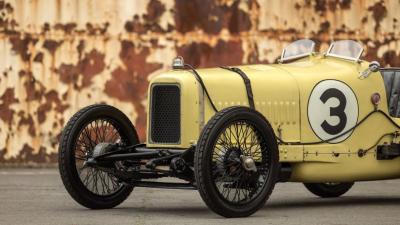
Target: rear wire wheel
92	126
236	162
329	190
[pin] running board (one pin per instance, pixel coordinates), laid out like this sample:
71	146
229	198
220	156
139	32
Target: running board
163	185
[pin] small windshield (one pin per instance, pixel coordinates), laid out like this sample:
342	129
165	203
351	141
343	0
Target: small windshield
297	49
346	49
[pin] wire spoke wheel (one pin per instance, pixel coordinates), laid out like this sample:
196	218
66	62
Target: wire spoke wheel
88	134
236	162
95	132
329	189
236	183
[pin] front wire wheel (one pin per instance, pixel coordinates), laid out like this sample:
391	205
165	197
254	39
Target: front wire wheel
97	131
236	181
82	138
236	162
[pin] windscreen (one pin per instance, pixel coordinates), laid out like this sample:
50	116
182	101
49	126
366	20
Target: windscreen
346	49
298	49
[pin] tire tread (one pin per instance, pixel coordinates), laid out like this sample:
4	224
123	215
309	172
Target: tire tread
199	154
62	158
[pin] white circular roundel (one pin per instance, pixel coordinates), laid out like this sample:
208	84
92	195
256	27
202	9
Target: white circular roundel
332	110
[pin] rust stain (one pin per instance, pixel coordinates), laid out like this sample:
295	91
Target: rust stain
6	100
391	58
205	55
379	12
148	22
51	68
332	5
27	120
80	48
7	23
68	28
27	156
129	82
155	9
20	45
51	45
211	16
93	29
34	89
38	57
91	65
52	102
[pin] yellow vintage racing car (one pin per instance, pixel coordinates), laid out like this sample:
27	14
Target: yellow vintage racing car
324	119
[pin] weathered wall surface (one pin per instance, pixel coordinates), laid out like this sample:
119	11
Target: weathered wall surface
57	56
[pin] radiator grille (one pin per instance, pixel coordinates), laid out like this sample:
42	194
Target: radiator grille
165	114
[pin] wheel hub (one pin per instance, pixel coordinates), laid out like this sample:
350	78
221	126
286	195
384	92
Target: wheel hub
241	169
248	163
101	149
234	159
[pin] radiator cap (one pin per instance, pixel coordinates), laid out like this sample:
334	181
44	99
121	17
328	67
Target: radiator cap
178	63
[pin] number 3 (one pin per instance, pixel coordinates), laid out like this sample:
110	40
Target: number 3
332	109
335	111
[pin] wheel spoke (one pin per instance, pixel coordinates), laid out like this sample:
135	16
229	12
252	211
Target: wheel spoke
233	182
95	180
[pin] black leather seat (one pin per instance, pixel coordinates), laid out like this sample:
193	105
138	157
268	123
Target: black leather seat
391	77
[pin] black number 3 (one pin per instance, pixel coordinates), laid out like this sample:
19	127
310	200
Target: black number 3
335	111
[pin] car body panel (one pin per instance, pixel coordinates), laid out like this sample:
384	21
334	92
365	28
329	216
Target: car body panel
268	100
282	94
190	97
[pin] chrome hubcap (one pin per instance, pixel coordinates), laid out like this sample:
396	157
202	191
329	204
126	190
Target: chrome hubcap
248	163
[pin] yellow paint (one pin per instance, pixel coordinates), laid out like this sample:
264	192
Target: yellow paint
281	93
189	107
271	30
291	153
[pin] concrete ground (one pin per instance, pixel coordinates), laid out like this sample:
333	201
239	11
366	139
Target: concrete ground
37	196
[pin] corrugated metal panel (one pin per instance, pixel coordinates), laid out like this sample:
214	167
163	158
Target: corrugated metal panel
60	55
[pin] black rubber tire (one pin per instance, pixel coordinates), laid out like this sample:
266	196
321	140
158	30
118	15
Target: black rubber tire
202	163
324	190
66	159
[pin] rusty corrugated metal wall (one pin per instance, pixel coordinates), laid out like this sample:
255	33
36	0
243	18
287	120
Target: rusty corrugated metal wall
57	56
